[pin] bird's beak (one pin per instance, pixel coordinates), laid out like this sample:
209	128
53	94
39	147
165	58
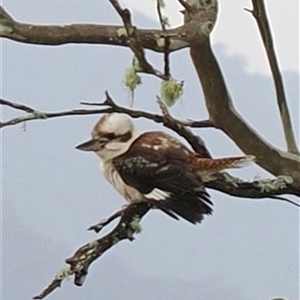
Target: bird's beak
92	145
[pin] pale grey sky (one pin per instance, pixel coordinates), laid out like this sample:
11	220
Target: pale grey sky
248	249
236	29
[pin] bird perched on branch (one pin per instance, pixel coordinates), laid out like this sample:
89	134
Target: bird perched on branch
155	167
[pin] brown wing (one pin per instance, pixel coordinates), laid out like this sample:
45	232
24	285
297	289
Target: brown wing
159	167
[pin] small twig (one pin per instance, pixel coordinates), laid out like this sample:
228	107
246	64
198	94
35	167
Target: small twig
134	43
54	284
285	200
167	42
186	6
37	115
160	16
260	15
104	222
17	106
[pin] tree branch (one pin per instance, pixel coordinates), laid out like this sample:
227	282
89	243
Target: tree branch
257	189
260	15
86	33
34	114
225	117
133	41
163	22
17	106
80	262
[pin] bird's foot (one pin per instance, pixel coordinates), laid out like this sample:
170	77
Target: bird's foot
98	227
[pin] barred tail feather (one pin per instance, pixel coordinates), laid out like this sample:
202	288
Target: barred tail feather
207	168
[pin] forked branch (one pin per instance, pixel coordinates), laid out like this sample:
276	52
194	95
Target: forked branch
134	43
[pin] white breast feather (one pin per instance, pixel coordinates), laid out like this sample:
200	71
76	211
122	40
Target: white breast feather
112	176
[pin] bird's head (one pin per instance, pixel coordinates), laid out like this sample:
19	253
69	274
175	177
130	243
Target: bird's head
111	136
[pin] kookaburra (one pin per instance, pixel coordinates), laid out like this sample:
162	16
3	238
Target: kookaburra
155	167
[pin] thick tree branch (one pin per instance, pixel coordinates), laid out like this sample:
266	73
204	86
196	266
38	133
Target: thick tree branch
260	15
225	117
86	33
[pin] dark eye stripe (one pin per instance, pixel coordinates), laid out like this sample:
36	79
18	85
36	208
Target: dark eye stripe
111	136
108	135
125	137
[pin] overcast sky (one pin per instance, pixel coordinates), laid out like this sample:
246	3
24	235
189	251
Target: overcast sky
237	30
248	249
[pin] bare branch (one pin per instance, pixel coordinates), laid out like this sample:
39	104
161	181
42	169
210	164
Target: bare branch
113	107
38	115
132	215
85	33
80	262
134	43
17	106
167	42
256	189
225	117
260	15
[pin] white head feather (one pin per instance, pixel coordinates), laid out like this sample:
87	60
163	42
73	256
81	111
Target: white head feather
117	124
